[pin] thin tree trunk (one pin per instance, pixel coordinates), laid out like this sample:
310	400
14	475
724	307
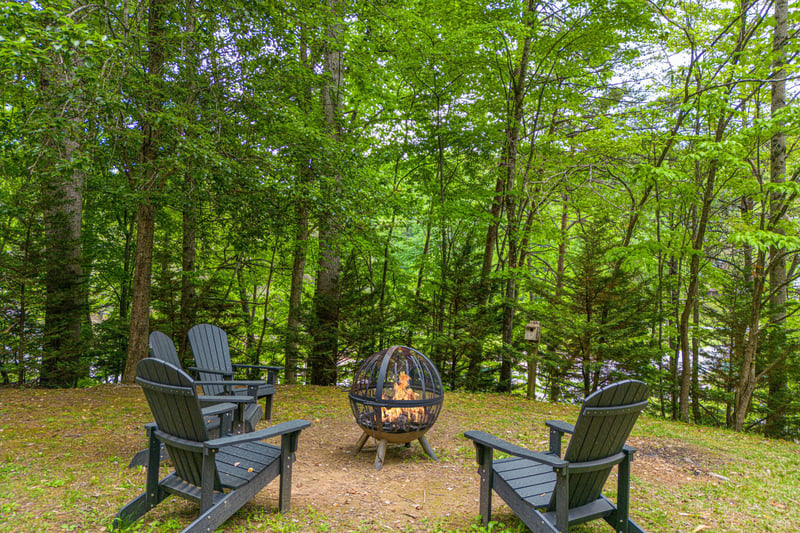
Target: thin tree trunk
518	85
292	350
747	373
188	259
778	381
188	312
247	316
384	281
152	181
554	391
695	392
300	245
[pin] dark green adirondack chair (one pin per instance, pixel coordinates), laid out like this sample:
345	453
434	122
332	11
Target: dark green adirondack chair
220	474
549	493
212	359
219	421
249	414
163	347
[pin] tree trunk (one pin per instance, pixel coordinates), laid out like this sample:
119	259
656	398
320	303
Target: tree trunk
62	197
300	245
188	312
327	296
140	305
518	80
694	276
554	391
695	393
296	292
152	180
64	280
778	397
747	372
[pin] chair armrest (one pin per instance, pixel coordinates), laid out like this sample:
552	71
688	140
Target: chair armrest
557	430
234	383
226	373
224	399
189	445
272	371
283	428
260	367
217	408
489	441
561	427
229	386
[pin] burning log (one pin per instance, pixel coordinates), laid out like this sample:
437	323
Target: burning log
402	391
396	397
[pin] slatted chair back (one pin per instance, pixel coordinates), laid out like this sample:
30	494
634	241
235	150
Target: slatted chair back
210	349
162	347
604	424
171	394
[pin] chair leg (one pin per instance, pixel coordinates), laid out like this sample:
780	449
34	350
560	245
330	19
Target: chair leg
153	493
132	511
561	495
213	517
207	480
380	454
362	441
623	494
268	407
484	459
288	447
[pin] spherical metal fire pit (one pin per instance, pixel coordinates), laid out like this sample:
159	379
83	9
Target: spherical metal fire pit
396	397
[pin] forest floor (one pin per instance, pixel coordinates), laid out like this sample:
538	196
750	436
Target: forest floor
64	455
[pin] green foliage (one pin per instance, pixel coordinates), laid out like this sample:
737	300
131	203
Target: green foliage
628	108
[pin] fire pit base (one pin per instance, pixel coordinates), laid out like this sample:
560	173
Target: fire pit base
383	440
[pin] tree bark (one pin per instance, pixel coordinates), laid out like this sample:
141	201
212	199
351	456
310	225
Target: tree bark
65	302
518	80
188	311
778	382
152	181
324	356
295	292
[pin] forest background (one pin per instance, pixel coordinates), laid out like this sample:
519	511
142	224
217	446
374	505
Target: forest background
324	179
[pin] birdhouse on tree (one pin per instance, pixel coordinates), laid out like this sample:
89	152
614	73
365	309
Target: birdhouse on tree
532	330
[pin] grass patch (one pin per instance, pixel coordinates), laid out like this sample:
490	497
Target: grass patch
64	455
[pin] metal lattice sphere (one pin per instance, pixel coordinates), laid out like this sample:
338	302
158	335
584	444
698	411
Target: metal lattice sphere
396	395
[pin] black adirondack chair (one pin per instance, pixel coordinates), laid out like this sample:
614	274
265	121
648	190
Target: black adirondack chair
219	421
213	365
249	413
220	474
549	493
163	347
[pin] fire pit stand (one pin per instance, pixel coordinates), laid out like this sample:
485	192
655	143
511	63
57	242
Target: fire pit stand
396	397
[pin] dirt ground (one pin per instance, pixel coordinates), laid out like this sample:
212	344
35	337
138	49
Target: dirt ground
412	491
330	480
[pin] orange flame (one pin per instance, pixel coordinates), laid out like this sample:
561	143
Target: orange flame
403	392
